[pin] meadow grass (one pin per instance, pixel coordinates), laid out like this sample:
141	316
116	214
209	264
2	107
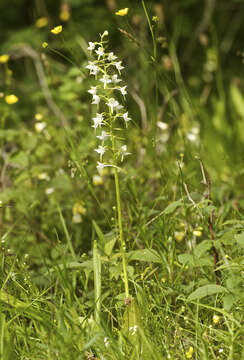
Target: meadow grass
142	259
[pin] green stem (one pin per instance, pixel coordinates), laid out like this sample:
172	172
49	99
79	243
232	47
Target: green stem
154	58
121	236
151	30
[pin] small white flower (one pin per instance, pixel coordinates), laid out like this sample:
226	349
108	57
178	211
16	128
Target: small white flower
98	121
123	151
100	52
106	342
43	176
76	219
39	126
94	69
133	329
103	136
115	79
91	46
93	90
123	91
105	33
97	180
125	117
100	166
162	125
118	66
111	56
105	80
101	151
119	107
191	137
96	99
113	104
49	191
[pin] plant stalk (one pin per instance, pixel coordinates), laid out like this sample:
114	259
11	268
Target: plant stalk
119	213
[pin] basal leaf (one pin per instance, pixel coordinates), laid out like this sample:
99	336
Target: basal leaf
149	255
206	290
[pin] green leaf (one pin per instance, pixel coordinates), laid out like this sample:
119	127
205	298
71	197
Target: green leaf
240	239
206	290
185	259
149	255
172	207
108	248
203	247
21	159
99	232
228	301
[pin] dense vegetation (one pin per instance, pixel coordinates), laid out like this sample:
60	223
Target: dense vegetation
136	253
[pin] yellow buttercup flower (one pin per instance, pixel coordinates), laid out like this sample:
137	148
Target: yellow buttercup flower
179	236
4	58
122	12
189	353
58	29
44	45
11	99
38	116
41	22
197	233
216	319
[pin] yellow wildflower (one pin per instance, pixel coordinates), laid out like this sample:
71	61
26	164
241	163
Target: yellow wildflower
58	29
197	233
41	22
38	116
11	99
122	12
43	176
78	208
4	58
216	319
189	353
179	236
64	15
44	45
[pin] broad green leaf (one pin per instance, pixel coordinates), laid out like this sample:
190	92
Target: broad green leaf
186	259
131	322
149	255
99	232
203	247
108	248
228	238
228	301
172	207
206	290
240	239
21	159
